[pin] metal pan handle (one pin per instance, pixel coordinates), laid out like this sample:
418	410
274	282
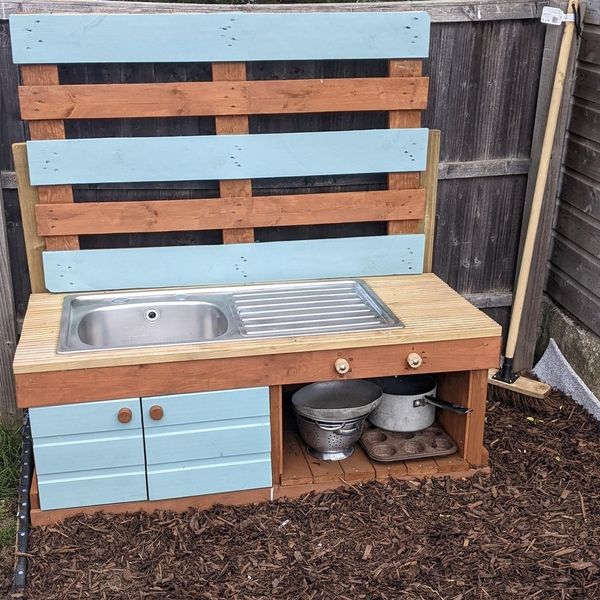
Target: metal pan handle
456	408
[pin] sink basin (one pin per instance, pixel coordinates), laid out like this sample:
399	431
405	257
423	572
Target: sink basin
192	316
137	324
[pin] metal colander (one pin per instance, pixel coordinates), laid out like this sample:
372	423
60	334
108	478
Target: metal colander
330	440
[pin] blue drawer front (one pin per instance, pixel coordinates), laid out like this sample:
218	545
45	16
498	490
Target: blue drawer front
208	442
86	488
210	476
85	417
183	409
84	455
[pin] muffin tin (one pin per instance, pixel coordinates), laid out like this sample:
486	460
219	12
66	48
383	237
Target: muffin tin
388	446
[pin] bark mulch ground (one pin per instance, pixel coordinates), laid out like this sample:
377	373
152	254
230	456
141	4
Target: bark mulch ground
530	530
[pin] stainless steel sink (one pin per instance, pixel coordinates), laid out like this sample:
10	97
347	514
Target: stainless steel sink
191	316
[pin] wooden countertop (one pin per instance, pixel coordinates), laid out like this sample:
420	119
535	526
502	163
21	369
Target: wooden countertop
430	310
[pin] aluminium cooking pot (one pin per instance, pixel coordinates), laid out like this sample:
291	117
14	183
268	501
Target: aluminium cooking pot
408	403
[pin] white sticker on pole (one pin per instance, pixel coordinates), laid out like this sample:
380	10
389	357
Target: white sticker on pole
555	16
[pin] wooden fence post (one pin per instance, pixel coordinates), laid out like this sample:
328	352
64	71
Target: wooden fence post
9	415
528	331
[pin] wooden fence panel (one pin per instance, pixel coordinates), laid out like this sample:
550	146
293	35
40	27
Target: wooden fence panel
574	270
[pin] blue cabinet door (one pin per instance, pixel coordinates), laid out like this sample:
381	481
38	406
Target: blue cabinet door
84	455
207	442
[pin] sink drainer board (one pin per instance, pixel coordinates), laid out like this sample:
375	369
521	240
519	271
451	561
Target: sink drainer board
389	446
311	308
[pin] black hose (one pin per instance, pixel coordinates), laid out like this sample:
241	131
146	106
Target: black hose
20	578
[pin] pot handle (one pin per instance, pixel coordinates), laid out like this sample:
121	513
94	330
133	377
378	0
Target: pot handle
456	408
337	428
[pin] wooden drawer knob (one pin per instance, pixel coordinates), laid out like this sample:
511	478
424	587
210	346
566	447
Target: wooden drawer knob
124	415
414	360
156	412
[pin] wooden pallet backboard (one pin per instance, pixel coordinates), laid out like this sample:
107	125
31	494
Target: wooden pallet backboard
233	156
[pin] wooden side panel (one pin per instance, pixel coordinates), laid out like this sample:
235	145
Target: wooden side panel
185	158
468	388
214	37
84	455
276	412
429	180
28	200
219	97
89	270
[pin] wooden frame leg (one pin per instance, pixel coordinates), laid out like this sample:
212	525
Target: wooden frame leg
467	388
276	411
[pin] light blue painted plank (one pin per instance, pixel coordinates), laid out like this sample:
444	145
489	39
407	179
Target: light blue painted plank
195	441
88	488
92	270
83	418
210	476
200	407
217	37
60	454
185	158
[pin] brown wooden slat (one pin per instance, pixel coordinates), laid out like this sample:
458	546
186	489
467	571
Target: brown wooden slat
218	98
383	470
357	467
228	213
323	471
295	467
421	467
399	120
239	188
49	130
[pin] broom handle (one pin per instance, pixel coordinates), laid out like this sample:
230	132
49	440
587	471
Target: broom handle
540	185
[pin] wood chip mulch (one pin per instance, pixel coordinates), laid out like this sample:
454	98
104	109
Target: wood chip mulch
530	530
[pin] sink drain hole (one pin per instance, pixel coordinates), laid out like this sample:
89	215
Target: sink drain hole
152	314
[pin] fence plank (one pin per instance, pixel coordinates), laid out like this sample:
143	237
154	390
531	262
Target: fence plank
441	11
528	330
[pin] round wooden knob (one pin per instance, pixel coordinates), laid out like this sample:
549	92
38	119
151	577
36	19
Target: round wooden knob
342	366
156	412
124	415
414	360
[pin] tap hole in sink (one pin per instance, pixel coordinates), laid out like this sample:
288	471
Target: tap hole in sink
152	314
